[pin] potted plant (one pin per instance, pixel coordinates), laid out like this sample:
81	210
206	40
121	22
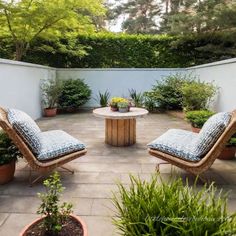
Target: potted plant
198	118
228	152
8	156
171	207
114	102
103	98
123	106
56	220
51	90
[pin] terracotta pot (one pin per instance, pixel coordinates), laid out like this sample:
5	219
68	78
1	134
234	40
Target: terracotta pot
196	130
7	172
228	153
114	108
50	112
84	227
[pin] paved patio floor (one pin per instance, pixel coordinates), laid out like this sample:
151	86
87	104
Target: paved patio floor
89	189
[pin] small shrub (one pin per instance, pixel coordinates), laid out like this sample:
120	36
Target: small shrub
149	101
171	208
74	94
55	215
136	97
197	95
103	98
167	93
8	150
198	118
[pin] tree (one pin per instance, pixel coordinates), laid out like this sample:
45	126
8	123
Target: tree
25	20
199	16
141	16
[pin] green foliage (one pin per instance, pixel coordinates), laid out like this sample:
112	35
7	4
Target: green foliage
25	20
167	93
51	90
198	118
149	101
74	94
55	214
136	97
103	98
171	208
123	104
231	142
8	150
197	95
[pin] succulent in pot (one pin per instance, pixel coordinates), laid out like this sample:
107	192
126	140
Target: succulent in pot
114	102
51	90
123	106
8	156
56	219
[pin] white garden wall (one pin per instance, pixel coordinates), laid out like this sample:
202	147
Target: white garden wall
223	74
20	85
20	82
116	81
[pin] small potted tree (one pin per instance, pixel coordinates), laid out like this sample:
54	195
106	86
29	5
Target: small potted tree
56	220
198	118
51	90
8	156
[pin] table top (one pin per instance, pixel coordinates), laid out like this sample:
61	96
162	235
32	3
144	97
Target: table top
105	112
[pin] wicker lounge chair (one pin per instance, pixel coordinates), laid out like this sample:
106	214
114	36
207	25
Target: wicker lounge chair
198	167
43	167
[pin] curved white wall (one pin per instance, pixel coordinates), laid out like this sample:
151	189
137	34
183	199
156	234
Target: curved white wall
20	85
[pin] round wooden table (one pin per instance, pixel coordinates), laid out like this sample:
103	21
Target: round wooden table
120	127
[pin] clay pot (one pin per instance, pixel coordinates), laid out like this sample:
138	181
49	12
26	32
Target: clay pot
7	172
84	227
50	112
228	153
114	108
196	130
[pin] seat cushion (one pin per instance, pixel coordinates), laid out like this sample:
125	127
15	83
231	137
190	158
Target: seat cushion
178	143
191	146
26	127
57	143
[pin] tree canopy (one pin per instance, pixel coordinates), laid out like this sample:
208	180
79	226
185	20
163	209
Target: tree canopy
25	20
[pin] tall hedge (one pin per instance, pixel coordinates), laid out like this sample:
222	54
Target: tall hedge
107	50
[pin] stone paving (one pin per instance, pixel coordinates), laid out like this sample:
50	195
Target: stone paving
96	174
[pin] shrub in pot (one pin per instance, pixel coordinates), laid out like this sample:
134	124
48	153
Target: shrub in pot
56	219
171	208
8	156
198	118
74	94
51	90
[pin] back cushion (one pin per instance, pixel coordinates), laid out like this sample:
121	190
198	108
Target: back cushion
26	128
211	131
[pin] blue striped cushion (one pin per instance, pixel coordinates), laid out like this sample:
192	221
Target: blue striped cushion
191	146
57	143
26	128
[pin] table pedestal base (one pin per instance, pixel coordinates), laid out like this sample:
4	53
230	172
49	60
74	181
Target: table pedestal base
120	132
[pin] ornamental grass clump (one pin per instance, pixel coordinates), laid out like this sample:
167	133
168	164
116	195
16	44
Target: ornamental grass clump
171	209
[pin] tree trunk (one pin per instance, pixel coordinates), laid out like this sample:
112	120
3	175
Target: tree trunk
20	50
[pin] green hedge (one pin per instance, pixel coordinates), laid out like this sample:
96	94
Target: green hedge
106	50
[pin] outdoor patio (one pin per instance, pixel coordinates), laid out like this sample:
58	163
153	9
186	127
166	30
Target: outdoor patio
96	173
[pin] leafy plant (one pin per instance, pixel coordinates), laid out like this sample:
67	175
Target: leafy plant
55	215
136	97
198	118
149	101
75	93
123	104
167	93
197	95
231	142
8	150
171	208
51	90
103	98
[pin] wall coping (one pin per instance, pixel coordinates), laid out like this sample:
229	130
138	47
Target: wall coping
121	69
25	64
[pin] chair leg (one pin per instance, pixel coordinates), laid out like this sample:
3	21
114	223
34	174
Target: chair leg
162	163
67	169
32	182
